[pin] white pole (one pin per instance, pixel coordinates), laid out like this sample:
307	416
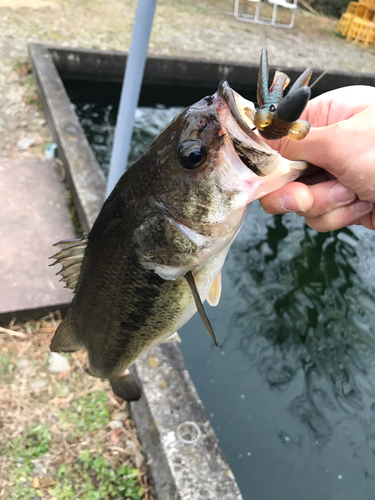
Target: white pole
131	89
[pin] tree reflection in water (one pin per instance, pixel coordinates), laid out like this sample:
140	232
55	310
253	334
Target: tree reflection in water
308	306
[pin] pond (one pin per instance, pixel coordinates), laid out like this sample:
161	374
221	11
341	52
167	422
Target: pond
290	391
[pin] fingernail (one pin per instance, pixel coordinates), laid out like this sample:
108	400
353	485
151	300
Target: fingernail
361	207
341	194
290	204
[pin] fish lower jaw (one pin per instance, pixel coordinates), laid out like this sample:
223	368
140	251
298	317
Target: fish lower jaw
255	186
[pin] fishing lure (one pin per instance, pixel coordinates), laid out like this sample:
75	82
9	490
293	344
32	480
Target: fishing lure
278	116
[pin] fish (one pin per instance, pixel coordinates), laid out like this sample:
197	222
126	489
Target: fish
157	247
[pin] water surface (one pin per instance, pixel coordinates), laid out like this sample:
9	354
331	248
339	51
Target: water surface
291	390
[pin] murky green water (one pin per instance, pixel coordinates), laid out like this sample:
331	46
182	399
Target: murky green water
98	122
291	390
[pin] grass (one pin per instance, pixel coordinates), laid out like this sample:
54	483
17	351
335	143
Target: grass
88	413
94	479
4	366
57	442
24	71
74	214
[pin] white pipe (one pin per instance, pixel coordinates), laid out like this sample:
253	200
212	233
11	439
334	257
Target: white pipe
131	89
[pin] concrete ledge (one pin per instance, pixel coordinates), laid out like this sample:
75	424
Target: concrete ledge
180	471
109	66
196	471
84	176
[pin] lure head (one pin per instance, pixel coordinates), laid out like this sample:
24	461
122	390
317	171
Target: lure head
277	115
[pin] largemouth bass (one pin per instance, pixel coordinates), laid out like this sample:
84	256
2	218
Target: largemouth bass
156	249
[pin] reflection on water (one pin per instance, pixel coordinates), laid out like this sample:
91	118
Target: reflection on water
291	389
313	312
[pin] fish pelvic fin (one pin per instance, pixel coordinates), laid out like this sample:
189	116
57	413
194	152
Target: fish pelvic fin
124	387
70	257
214	294
173	338
65	338
202	313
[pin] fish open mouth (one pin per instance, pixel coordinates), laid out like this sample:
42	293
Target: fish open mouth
250	148
227	94
236	117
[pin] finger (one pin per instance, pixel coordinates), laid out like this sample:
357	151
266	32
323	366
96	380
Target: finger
329	196
324	146
339	104
341	217
293	197
317	200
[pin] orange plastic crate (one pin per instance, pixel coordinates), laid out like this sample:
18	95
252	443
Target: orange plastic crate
356	8
344	23
360	27
368	3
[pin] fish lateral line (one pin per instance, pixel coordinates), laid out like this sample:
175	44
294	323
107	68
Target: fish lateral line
202	313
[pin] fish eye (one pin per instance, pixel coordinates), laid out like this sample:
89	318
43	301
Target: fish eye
272	108
191	154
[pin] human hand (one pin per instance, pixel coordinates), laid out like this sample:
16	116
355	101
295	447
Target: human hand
339	189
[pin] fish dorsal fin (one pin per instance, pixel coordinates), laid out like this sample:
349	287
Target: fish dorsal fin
202	313
65	338
70	257
214	293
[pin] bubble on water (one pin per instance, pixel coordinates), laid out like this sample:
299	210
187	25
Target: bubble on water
249	454
218	428
249	415
327	470
230	421
316	442
287	439
242	396
211	415
222	353
208	362
240	456
212	381
339	476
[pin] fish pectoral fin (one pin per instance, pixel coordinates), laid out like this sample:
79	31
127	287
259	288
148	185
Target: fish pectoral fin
173	338
214	293
125	388
202	313
65	338
70	257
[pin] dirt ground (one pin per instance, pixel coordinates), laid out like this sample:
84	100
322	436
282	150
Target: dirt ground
181	28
